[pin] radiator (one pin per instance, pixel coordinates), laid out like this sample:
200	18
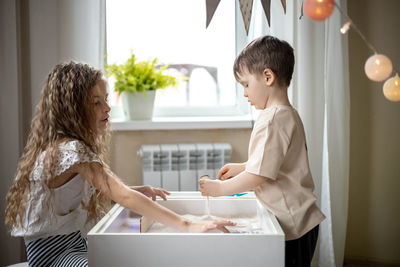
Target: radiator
177	167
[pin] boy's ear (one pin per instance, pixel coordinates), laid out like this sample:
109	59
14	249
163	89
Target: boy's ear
269	77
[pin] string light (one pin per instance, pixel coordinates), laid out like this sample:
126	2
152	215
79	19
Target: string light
345	27
354	26
378	67
391	88
319	9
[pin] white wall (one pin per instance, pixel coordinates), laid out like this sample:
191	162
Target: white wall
373	229
9	121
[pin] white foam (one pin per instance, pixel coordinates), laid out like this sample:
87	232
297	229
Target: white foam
244	224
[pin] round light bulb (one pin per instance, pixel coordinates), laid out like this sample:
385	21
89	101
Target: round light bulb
318	9
391	88
378	67
345	27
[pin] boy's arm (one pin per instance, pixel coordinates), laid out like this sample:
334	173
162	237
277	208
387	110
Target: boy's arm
230	170
242	182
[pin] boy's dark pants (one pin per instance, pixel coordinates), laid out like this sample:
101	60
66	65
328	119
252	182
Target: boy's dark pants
299	252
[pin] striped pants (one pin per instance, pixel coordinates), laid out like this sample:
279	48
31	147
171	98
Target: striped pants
59	250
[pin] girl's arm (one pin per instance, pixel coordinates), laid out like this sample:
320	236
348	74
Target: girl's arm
242	182
111	186
150	191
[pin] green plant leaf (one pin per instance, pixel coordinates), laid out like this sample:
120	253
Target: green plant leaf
133	76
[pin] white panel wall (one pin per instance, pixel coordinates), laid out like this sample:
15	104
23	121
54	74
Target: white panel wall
10	248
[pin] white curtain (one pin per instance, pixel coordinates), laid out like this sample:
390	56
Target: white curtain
64	30
320	92
82	31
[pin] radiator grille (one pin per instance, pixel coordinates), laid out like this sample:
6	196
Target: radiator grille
177	167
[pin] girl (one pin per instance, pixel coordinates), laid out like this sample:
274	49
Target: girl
63	184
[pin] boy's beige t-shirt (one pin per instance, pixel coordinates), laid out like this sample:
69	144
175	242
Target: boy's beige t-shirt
278	152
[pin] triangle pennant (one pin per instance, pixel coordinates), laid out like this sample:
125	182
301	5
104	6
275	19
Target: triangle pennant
246	7
284	5
211	6
267	10
301	10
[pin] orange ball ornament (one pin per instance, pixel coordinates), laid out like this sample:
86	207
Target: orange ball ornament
318	9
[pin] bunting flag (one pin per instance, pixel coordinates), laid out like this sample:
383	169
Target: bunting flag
284	5
301	10
246	7
267	10
211	6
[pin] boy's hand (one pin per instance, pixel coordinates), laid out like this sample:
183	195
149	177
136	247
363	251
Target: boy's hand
210	187
151	192
230	170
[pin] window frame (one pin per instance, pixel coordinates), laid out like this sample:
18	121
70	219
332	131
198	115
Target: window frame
241	107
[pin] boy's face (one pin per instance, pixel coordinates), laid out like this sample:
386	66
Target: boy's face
100	107
255	89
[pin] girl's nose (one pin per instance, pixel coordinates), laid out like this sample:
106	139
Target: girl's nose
107	108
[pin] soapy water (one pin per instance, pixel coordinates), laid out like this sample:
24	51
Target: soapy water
129	225
208	198
208	207
244	224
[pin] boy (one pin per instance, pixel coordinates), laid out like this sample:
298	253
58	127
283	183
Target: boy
277	168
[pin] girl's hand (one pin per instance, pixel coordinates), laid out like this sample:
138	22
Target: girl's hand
202	227
210	187
151	192
230	170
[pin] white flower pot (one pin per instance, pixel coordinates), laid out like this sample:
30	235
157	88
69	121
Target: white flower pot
138	106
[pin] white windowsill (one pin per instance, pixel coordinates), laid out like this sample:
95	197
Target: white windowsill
184	123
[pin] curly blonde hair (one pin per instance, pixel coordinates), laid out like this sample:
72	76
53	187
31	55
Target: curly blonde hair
62	114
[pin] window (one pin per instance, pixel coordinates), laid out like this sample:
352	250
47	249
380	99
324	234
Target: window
174	32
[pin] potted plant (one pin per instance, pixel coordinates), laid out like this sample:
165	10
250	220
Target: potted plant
136	83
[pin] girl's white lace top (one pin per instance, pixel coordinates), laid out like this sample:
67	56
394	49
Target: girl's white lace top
65	213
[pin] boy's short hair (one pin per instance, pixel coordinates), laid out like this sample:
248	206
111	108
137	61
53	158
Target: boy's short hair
263	53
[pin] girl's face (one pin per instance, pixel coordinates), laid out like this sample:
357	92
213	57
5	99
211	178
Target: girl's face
99	107
255	89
